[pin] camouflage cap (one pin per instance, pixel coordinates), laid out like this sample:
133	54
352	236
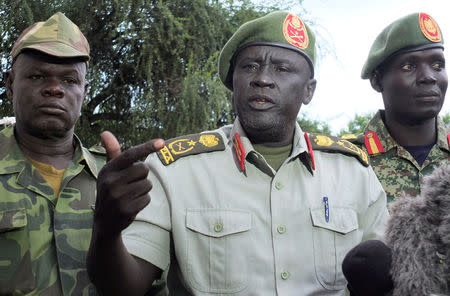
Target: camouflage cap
279	28
413	32
58	36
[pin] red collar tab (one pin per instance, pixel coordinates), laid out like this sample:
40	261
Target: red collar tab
239	150
308	142
448	140
372	143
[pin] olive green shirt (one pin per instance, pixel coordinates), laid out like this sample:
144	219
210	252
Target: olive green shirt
44	238
224	231
398	171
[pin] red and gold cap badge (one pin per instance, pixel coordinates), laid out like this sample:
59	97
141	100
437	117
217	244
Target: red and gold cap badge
295	32
429	28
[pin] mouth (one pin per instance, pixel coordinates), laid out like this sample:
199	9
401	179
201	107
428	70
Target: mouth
52	109
261	102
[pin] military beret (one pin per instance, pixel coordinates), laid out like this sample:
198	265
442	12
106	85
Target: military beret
58	36
279	28
413	32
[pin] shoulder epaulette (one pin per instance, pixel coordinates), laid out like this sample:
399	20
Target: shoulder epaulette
355	139
335	144
190	145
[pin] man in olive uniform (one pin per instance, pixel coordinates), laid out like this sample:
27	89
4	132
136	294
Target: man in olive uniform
254	208
47	178
406	142
407	139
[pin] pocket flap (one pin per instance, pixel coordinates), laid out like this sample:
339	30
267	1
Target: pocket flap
12	219
342	220
218	222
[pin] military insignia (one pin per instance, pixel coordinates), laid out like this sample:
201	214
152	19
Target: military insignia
349	137
373	143
429	28
190	145
295	32
310	151
334	144
239	150
323	140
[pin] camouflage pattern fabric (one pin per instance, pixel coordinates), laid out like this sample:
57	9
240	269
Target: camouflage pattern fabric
397	170
44	238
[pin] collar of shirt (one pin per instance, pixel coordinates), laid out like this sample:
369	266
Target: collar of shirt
299	145
12	159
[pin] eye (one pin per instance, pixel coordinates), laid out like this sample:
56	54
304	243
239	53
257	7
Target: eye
36	77
438	66
407	67
251	67
281	68
69	80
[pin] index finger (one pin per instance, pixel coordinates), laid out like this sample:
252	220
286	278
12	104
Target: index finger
136	153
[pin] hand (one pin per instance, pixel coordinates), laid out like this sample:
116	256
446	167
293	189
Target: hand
122	185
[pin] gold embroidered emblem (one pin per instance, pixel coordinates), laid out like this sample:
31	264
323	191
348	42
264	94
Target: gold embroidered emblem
209	140
168	158
181	146
350	146
323	140
349	136
429	28
294	31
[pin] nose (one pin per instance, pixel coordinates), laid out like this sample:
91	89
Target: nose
426	75
262	78
52	88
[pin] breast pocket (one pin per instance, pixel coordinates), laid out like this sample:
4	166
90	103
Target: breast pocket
332	240
15	261
217	249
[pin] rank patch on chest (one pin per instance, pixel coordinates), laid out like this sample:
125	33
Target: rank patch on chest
190	145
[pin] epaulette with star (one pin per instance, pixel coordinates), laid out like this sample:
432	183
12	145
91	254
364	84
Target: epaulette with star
338	145
177	148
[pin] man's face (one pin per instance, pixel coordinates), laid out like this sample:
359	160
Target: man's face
413	85
270	84
47	95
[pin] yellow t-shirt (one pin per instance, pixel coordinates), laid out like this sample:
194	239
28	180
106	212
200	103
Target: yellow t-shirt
53	176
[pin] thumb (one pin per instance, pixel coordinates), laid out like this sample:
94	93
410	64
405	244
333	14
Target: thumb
111	145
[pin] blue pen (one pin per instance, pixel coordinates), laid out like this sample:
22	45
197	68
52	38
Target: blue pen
327	209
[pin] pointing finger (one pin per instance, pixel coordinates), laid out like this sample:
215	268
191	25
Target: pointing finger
111	145
137	153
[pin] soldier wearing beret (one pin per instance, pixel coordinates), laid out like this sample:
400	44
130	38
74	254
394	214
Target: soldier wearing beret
406	142
47	178
407	139
253	208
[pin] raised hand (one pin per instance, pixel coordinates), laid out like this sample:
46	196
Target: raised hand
122	185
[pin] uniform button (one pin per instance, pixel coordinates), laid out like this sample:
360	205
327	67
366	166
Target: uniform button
281	229
218	227
285	275
278	185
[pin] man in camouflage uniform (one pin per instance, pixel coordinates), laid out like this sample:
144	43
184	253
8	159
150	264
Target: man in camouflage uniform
47	177
407	139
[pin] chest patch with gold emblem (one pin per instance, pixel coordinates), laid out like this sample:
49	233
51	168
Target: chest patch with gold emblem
190	145
339	145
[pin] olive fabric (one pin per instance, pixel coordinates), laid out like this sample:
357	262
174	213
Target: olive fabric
44	238
58	36
279	28
413	32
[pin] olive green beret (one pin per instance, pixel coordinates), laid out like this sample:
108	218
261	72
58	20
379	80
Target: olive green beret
413	32
279	28
58	36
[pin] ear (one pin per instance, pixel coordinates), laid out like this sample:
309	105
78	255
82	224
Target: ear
310	89
86	87
8	80
375	81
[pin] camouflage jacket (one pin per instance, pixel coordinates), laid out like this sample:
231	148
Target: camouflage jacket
44	238
396	168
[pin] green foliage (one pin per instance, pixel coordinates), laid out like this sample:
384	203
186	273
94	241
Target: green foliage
153	67
446	118
357	124
314	126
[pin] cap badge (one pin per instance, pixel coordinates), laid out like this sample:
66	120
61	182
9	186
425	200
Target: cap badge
429	27
294	31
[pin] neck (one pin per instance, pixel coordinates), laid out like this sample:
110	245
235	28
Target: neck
412	134
272	139
53	151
